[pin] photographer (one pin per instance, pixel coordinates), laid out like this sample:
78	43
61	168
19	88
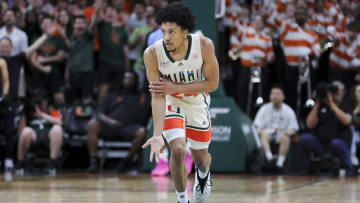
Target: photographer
330	122
43	129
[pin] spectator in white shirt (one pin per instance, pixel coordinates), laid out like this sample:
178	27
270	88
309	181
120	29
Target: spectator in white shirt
18	37
276	122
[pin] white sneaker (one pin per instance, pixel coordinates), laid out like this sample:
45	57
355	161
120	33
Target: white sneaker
20	172
202	187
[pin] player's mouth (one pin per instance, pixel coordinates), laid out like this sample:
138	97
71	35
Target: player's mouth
168	45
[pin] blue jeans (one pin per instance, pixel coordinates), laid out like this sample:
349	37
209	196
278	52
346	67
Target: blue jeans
310	143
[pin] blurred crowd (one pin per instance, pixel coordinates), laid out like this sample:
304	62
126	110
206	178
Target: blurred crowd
302	57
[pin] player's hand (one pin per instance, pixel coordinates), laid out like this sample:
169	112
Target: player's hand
157	145
164	86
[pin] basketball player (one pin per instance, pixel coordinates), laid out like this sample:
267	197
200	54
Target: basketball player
182	69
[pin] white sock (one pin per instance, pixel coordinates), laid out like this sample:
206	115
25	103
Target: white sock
182	197
203	175
9	163
280	161
269	156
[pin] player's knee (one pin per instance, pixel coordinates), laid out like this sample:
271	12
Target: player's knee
178	153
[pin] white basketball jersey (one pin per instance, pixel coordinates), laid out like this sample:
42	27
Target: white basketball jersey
188	70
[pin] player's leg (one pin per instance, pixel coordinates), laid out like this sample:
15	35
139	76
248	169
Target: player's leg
198	134
177	164
174	133
202	160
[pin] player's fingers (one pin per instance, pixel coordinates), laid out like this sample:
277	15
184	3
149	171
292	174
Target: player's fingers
151	155
156	91
157	156
155	83
146	144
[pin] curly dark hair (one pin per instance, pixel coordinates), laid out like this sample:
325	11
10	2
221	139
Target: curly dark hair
177	13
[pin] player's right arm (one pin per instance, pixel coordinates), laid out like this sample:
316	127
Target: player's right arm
158	104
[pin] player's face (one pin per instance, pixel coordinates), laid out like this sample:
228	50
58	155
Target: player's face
174	36
276	96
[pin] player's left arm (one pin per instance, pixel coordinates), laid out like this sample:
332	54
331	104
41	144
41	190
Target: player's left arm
210	71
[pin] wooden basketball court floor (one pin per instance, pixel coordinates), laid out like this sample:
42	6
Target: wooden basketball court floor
86	188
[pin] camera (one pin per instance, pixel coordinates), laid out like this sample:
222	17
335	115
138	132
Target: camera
323	89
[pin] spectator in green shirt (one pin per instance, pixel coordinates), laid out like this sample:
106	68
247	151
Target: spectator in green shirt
113	53
81	66
137	38
48	65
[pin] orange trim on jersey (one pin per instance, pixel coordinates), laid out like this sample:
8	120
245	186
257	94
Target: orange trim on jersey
342	55
296	43
292	58
198	135
172	123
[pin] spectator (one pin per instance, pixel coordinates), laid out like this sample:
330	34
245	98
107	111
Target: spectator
14	65
18	37
256	51
329	122
32	26
136	19
40	6
43	129
113	53
137	38
48	62
297	42
276	122
64	24
82	53
121	117
341	67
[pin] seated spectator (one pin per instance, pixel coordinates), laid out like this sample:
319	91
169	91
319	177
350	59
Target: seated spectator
43	129
122	117
276	122
329	122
